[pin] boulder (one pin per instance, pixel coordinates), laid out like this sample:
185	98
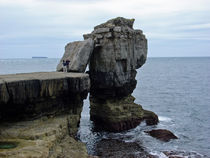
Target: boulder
78	53
162	134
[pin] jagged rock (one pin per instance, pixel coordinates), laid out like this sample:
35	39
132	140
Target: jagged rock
119	21
118	52
42	138
184	154
162	134
78	53
111	148
26	96
116	115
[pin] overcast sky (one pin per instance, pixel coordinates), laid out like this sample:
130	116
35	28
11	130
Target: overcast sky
43	27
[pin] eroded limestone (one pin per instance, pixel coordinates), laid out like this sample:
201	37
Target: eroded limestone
119	50
116	115
78	53
42	138
31	95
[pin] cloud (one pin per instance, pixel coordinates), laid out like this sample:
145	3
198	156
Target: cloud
179	36
195	26
67	20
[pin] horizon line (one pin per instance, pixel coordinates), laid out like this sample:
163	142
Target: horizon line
147	57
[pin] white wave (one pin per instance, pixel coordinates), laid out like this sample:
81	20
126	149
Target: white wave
158	154
164	119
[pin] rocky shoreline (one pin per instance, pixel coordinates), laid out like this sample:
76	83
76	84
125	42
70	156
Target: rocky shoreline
40	112
42	138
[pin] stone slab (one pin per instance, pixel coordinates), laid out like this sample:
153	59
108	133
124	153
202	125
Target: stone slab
31	95
26	86
78	53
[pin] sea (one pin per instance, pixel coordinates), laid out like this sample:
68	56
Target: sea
177	89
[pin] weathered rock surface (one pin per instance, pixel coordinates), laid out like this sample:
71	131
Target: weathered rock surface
40	114
119	51
43	138
183	154
111	148
162	134
116	115
50	103
78	53
37	94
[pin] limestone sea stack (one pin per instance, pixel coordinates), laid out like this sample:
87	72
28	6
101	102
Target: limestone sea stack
119	50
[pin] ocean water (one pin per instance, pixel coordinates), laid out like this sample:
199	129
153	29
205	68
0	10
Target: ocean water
10	66
176	89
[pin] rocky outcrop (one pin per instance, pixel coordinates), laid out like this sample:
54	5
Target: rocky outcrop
40	114
47	137
36	94
49	104
162	134
111	148
119	50
183	154
78	53
116	115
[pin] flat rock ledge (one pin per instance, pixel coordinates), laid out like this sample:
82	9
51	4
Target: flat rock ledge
113	148
40	114
32	95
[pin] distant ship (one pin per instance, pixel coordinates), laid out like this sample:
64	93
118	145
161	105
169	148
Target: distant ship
39	57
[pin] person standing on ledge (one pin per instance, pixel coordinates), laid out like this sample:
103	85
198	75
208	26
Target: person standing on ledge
64	66
67	65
